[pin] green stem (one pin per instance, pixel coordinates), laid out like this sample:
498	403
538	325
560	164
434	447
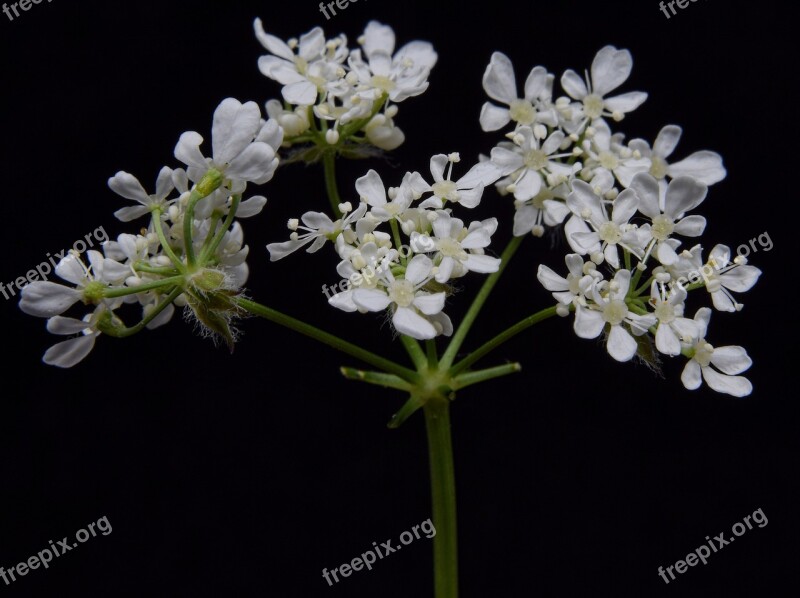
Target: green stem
414	351
188	223
377	378
329	339
211	247
157	224
433	356
502	338
470	378
443	494
329	163
126	332
477	304
156	284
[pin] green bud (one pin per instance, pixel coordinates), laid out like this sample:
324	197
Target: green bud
209	183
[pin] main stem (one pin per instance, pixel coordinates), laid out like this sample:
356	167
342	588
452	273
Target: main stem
443	494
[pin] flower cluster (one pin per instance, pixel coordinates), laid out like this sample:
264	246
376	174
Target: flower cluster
404	269
624	208
192	253
339	96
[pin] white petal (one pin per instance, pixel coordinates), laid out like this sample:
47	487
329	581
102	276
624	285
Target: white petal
621	345
254	164
646	187
235	125
65	326
683	195
494	117
627	102
691	375
736	386
610	69
667	341
45	299
550	280
300	93
588	322
188	150
625	206
68	353
705	167
483	264
343	301
528	186
498	79
272	43
378	37
429	304
129	187
251	207
574	85
741	278
131	213
537	83
691	226
418	269
407	321
371	189
371	299
731	360
667	141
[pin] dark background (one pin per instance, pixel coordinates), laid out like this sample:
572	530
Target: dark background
246	475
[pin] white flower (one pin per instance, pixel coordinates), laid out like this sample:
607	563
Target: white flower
236	151
68	353
667	210
129	187
372	191
610	69
303	75
401	76
466	191
413	308
573	288
704	166
293	122
610	308
609	232
383	133
530	163
45	299
501	85
672	326
719	274
727	362
458	250
319	228
604	151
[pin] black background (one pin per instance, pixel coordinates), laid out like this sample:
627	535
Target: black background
247	474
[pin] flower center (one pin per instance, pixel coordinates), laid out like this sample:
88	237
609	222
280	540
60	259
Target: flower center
608	160
402	293
446	190
659	167
609	233
703	353
522	111
536	159
615	312
382	83
665	312
662	227
593	106
450	248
